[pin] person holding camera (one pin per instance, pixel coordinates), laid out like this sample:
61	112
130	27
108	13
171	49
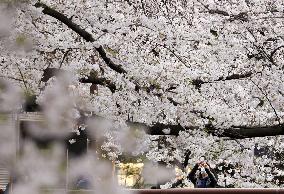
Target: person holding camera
201	176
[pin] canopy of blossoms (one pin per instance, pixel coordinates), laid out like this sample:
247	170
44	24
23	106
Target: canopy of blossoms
202	75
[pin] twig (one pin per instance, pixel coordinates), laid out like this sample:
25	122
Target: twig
22	76
64	56
269	101
178	57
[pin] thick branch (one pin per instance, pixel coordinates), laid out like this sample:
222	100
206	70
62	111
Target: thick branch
89	38
50	72
81	32
99	81
240	132
199	82
234	132
160	128
59	16
243	16
235	76
109	62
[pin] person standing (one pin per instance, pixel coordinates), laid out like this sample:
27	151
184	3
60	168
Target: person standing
201	176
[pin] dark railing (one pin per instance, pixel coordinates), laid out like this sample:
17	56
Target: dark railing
181	191
210	191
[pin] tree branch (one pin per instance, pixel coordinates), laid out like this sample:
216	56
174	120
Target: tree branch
177	56
59	16
217	11
158	128
240	132
175	103
89	38
22	76
109	62
92	78
273	53
243	16
64	57
198	82
81	32
234	132
269	101
99	81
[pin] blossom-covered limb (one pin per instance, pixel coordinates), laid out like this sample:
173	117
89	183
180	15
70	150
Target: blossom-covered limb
89	38
50	72
240	132
199	82
81	32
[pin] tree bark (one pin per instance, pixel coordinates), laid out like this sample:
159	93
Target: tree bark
241	132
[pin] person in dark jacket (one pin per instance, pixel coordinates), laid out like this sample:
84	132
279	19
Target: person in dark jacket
201	176
204	178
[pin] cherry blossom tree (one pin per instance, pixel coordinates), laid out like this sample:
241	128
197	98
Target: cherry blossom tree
208	73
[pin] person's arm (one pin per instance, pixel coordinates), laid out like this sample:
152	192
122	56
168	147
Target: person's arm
213	180
186	158
191	175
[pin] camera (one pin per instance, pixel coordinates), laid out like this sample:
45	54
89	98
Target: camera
202	169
